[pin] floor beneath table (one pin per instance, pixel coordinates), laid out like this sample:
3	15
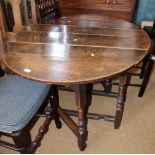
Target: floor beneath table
136	134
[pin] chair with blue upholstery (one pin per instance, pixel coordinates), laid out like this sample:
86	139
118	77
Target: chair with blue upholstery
21	103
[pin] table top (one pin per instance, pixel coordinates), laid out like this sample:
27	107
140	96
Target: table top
76	50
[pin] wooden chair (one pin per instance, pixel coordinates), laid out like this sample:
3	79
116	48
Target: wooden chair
18	14
22	103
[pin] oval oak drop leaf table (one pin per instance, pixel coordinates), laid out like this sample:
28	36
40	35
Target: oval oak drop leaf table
78	51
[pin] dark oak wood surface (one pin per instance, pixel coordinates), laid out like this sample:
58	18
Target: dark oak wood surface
123	9
76	54
103	23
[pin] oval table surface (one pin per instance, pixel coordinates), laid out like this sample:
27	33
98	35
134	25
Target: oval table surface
76	50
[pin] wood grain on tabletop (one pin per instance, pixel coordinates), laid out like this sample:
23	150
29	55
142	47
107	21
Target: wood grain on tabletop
77	53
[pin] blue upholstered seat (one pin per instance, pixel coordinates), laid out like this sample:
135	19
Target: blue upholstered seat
20	99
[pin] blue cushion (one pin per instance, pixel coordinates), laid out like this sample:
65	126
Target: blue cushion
20	99
146	11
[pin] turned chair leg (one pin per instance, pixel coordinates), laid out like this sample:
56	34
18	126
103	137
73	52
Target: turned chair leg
54	101
23	141
146	78
120	101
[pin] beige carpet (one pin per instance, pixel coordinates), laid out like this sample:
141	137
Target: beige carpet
136	134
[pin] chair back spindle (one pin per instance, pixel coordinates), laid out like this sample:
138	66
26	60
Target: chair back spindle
46	10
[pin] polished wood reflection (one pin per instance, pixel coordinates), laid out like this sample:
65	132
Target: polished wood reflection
92	23
132	42
69	54
82	30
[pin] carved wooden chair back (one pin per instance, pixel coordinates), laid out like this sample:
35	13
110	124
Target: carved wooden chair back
46	10
2	22
19	14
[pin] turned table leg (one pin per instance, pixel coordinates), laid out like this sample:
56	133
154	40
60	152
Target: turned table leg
83	96
120	100
54	101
